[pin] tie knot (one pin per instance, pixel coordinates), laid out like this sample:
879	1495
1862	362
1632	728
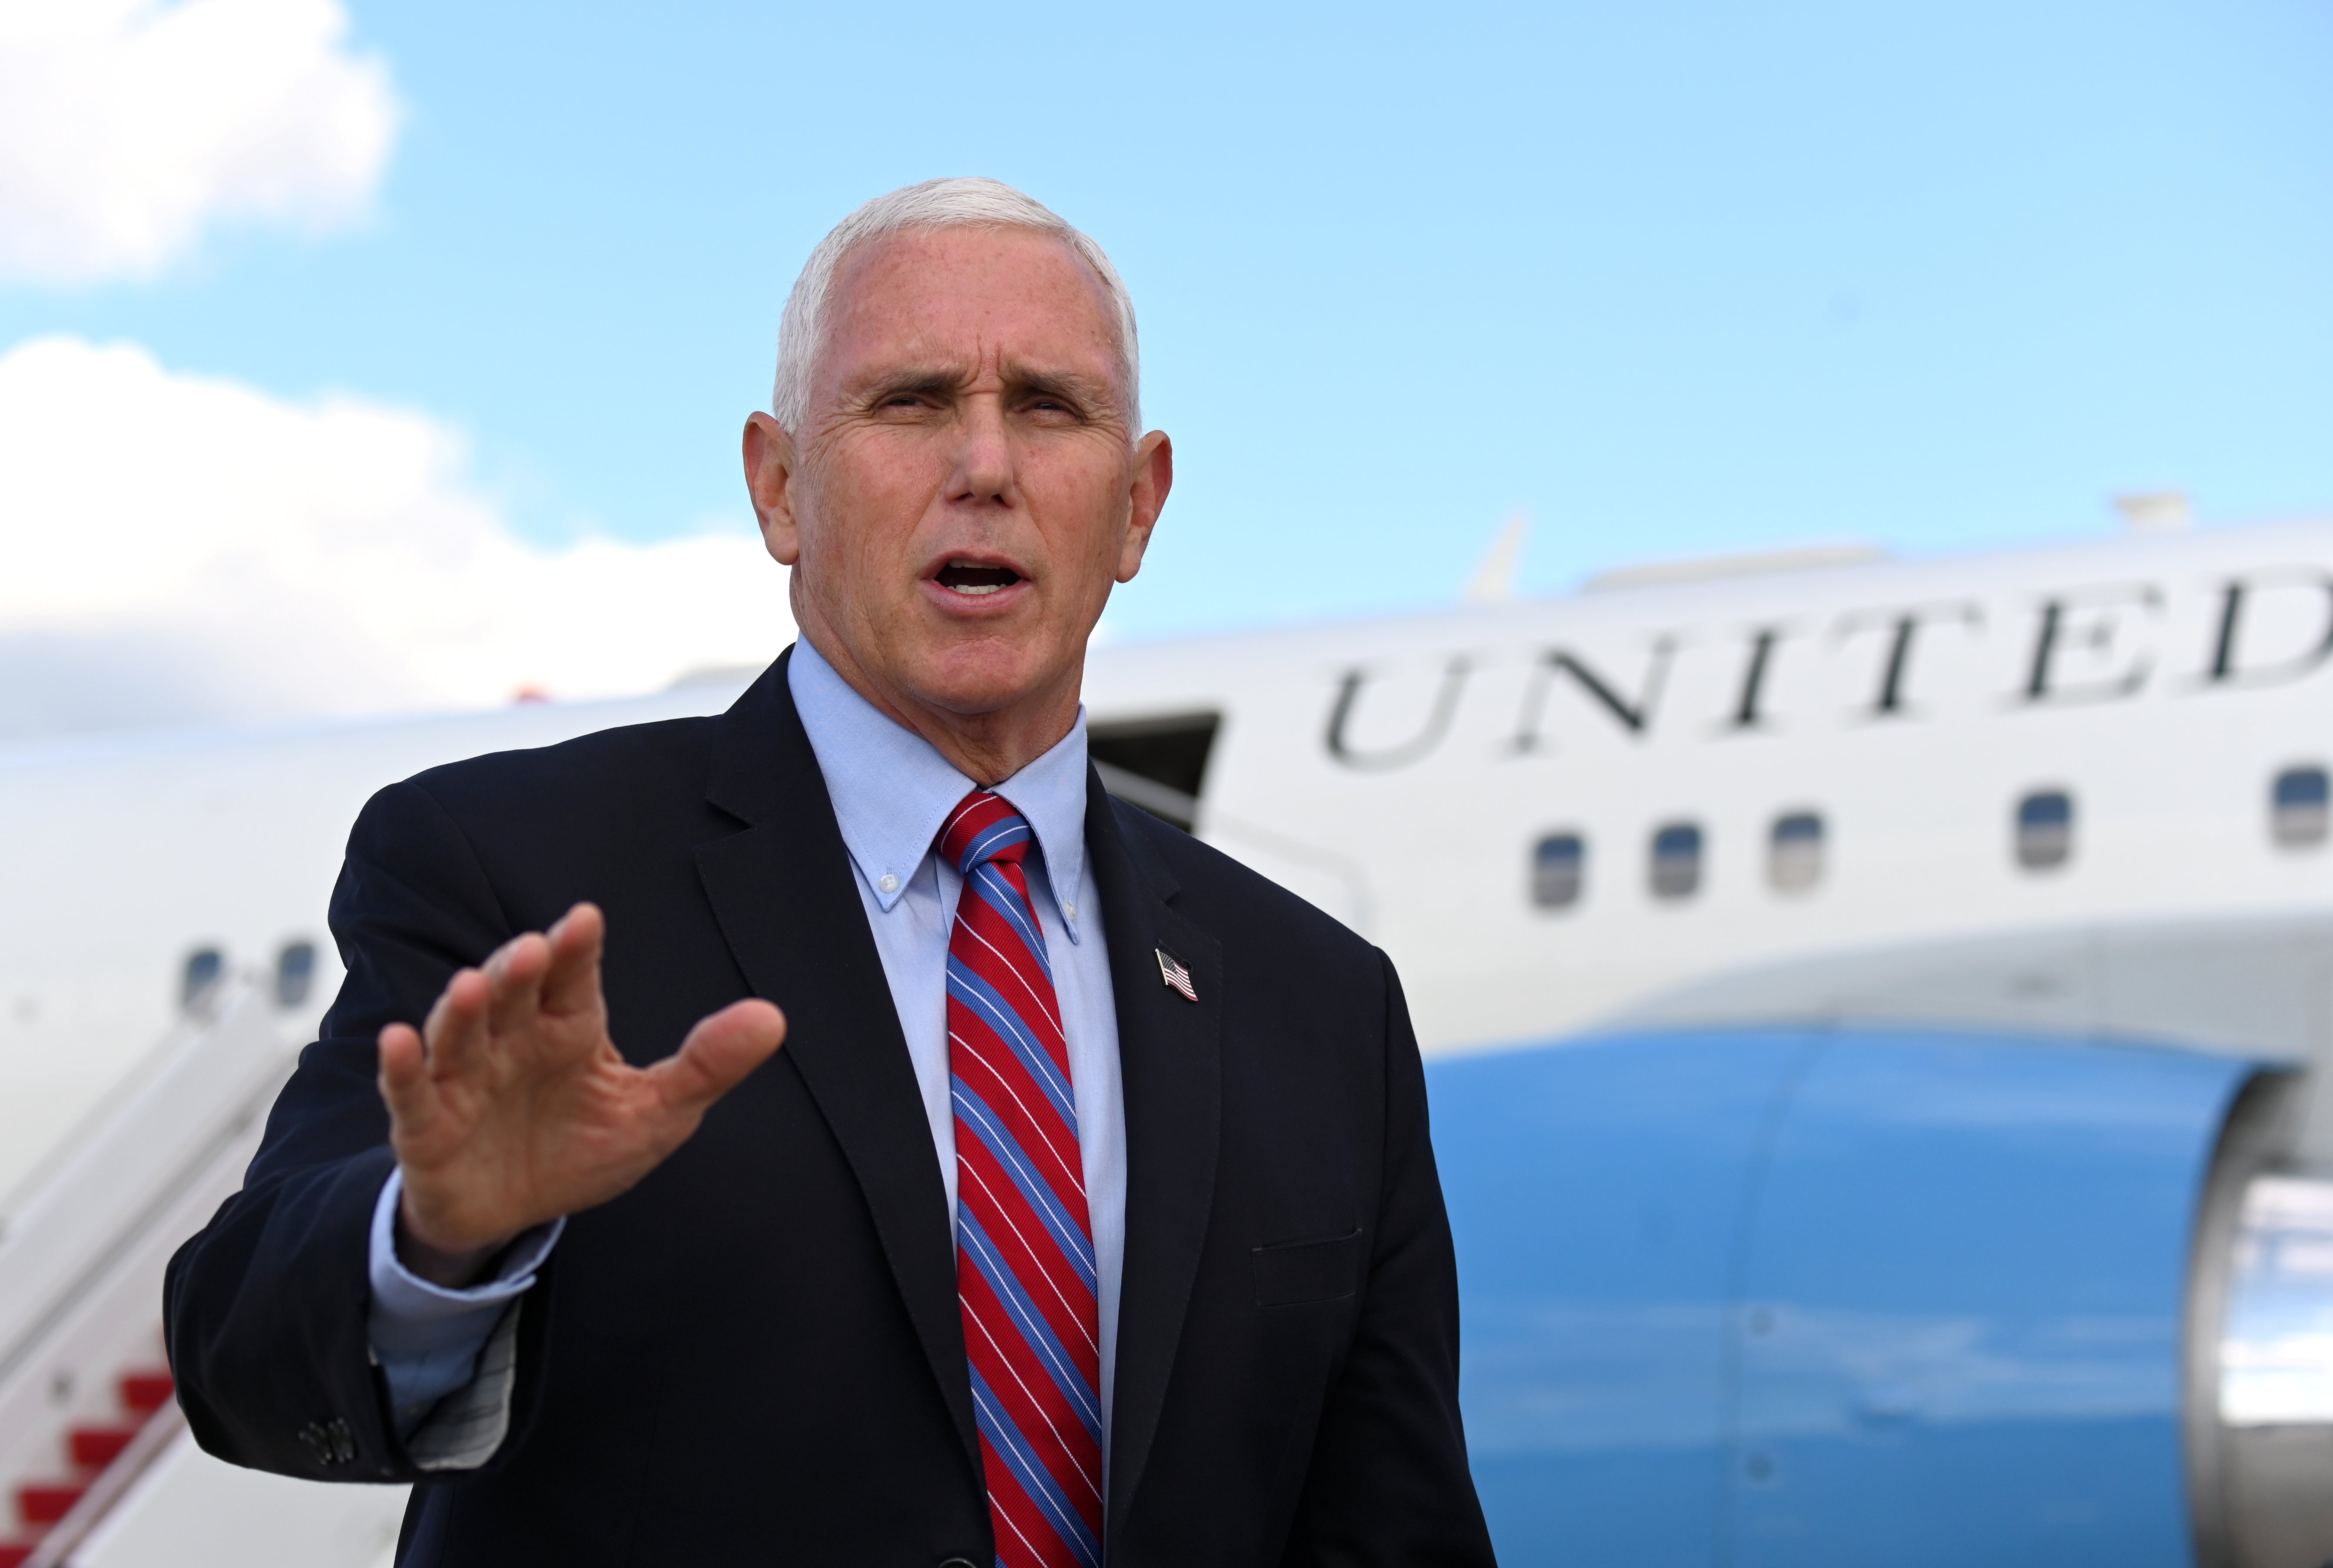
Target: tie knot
984	827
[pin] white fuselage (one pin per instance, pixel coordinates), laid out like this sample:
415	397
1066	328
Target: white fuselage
1403	772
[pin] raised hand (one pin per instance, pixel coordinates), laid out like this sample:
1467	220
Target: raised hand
510	1107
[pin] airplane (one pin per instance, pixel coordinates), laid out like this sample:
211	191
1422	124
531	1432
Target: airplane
1874	1014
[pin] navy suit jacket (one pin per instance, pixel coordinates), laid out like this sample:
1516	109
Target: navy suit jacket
755	1355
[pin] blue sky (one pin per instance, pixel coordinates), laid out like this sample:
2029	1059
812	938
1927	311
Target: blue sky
1673	278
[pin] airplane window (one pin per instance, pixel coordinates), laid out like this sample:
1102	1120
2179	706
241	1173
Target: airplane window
2297	808
1794	854
295	972
1676	861
2045	830
1558	868
205	966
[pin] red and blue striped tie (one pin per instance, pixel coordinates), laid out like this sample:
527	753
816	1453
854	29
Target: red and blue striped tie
1024	1250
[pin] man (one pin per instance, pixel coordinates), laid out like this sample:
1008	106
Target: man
615	1279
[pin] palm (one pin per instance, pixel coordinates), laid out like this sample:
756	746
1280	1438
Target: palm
511	1106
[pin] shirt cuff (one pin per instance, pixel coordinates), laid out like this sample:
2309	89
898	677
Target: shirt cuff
401	1297
428	1340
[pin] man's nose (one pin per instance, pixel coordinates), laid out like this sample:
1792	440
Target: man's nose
984	456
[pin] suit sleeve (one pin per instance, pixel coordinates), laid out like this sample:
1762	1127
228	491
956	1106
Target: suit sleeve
265	1309
1388	1483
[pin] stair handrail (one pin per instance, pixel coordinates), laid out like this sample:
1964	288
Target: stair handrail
122	1175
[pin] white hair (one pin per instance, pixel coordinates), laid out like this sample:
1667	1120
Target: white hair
935	203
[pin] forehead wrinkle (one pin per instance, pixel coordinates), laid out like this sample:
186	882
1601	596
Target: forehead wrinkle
852	284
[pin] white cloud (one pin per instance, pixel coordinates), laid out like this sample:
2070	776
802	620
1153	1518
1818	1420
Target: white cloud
180	548
126	126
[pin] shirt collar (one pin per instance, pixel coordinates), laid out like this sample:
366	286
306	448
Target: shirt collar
892	789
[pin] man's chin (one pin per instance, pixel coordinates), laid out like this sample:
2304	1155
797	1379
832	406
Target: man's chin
991	672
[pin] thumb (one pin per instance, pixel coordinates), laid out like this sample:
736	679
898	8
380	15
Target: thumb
718	1054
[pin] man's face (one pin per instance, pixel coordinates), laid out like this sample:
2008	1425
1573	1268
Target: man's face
967	485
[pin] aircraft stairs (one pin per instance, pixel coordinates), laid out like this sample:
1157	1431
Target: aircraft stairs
97	1467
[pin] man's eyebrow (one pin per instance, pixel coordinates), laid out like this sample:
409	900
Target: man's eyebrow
930	380
1074	386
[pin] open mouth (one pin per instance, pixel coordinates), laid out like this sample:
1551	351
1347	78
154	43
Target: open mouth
964	577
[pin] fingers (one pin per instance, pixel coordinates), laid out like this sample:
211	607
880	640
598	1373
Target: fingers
514	975
531	974
717	1055
455	1030
404	1079
571	983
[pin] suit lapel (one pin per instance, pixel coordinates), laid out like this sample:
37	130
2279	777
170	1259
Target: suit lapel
1170	1056
783	894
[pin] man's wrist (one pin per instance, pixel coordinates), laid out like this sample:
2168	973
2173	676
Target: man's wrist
452	1269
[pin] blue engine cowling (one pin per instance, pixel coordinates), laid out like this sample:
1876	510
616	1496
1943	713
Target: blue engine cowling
1830	1296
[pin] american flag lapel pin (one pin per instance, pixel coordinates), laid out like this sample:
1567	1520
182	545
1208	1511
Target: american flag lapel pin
1178	978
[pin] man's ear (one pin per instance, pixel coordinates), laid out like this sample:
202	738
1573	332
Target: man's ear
1154	475
769	480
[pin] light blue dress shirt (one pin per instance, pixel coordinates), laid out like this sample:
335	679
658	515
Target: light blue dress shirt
891	791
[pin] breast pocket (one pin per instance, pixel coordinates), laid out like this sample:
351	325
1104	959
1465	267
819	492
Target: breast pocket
1325	1268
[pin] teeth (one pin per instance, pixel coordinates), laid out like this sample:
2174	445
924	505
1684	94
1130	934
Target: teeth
976	579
